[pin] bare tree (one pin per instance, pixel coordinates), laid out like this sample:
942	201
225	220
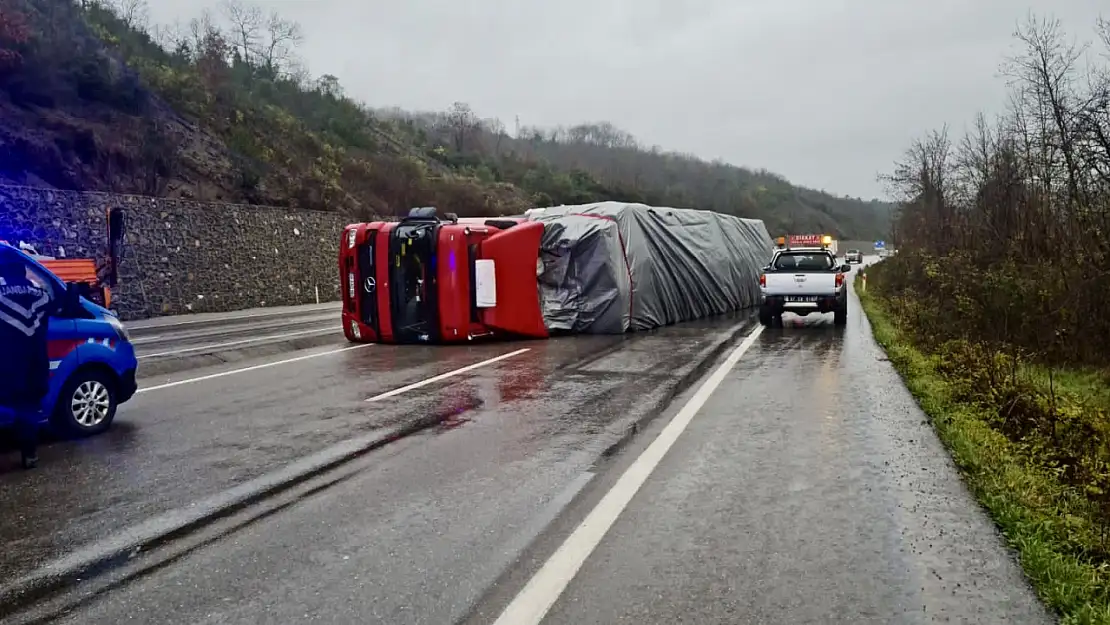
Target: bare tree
1094	120
200	30
281	39
1102	27
174	37
211	50
298	73
599	133
1045	74
246	26
133	13
264	41
923	171
974	158
463	124
496	128
922	180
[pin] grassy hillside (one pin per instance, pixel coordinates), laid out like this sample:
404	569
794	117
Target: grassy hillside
89	99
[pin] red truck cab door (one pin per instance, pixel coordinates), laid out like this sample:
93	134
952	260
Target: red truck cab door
506	281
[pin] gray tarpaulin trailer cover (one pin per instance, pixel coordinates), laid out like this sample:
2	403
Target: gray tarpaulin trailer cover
613	267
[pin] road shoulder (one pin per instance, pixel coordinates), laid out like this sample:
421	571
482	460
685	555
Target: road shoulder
1047	523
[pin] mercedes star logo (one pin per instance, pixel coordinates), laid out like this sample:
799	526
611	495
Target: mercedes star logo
369	285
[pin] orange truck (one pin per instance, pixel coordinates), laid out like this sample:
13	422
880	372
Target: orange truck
78	271
94	280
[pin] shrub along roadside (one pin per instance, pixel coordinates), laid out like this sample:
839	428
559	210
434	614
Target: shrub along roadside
1053	511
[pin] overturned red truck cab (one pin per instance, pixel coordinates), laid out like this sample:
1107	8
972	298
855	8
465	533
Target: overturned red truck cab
430	280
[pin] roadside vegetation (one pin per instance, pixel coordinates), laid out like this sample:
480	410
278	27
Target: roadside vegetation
995	309
94	97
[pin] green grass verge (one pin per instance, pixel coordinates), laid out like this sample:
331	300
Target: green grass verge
1049	523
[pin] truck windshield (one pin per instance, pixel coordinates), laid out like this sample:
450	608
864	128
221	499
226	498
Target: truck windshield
804	262
412	251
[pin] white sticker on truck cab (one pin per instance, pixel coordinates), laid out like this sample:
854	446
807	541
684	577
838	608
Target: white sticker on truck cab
485	283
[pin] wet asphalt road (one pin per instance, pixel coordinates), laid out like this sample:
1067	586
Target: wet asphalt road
188	340
173	445
808	489
172	344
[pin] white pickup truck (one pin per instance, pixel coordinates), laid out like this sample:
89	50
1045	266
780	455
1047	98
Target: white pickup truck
804	281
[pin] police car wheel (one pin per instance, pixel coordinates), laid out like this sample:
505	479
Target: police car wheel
87	404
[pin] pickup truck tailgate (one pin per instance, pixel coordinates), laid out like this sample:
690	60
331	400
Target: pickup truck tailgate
802	283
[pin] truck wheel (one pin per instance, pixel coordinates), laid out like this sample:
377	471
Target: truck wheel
840	316
765	316
87	404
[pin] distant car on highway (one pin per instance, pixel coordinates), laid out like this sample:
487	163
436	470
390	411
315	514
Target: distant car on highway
803	281
853	256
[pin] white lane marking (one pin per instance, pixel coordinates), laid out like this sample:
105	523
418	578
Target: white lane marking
533	602
246	369
239	342
444	376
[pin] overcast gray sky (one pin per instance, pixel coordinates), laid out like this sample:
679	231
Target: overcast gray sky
825	92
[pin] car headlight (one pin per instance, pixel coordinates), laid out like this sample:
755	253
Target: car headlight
351	238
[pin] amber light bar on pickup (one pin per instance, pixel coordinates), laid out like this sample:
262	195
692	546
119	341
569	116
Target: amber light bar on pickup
805	240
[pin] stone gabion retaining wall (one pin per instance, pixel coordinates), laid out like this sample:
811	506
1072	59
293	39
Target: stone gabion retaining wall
181	256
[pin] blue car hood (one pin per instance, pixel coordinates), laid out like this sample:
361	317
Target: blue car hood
96	309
